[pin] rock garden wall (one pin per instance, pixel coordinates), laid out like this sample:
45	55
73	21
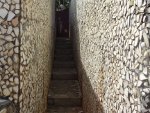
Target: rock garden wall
111	39
26	50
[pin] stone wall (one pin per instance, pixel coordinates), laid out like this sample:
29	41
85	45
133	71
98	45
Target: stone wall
111	39
9	49
26	50
36	54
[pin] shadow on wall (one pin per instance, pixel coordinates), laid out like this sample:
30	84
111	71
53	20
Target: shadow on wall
91	102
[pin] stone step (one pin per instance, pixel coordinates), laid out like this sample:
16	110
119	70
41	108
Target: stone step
63	42
63	58
63	52
64	64
56	109
63	46
64	74
63	39
64	93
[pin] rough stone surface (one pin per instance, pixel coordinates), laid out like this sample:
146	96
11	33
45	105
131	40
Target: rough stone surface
9	67
37	26
111	39
26	45
6	106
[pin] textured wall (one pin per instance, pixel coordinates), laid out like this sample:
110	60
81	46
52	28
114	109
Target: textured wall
36	54
8	109
9	48
112	46
26	50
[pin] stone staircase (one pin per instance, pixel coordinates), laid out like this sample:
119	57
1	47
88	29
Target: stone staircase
65	93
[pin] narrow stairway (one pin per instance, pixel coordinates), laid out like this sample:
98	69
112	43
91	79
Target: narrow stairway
65	94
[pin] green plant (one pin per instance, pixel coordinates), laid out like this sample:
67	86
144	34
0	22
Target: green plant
63	2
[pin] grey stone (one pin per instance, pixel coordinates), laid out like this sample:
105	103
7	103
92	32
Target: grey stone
3	12
11	15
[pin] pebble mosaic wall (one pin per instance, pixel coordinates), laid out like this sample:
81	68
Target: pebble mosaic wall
113	47
9	48
26	48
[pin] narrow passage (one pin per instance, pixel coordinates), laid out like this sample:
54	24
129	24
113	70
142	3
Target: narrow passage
65	93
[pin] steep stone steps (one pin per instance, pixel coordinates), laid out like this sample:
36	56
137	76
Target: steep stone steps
65	93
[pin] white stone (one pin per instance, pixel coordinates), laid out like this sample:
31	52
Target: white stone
136	41
143	94
9	45
139	3
3	30
3	13
11	15
142	45
16	50
15	96
9	38
4	86
3	1
142	77
17	11
12	7
16	1
10	98
16	30
15	58
15	89
9	31
8	1
2	42
146	40
3	61
139	83
147	54
126	91
16	80
6	6
146	84
17	6
140	67
17	42
11	79
145	70
6	92
10	62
